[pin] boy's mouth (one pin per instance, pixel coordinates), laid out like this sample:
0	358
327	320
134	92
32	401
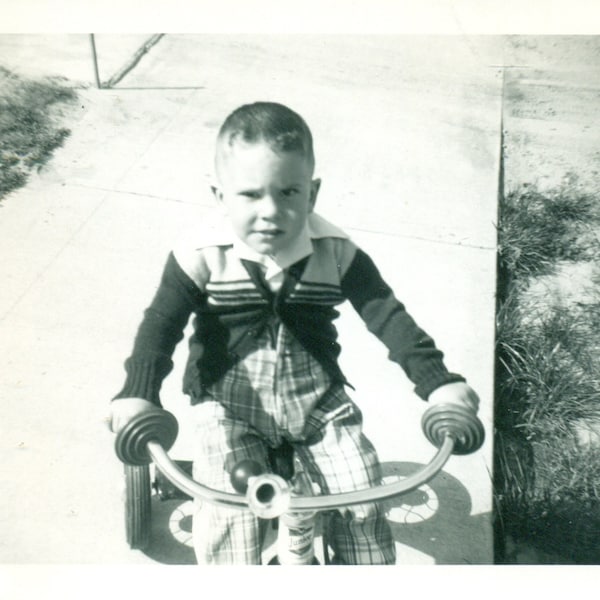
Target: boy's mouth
269	233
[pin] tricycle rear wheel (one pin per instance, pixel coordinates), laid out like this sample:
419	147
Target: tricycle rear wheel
138	506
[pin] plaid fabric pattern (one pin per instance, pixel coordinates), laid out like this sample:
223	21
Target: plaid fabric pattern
281	392
275	388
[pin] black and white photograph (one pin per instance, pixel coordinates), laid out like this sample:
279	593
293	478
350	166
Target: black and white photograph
306	296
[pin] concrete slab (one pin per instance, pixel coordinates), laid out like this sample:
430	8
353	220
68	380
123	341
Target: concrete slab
407	134
112	123
33	237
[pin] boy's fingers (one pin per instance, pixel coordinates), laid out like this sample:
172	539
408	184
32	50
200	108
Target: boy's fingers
474	398
119	421
124	410
114	424
473	404
460	393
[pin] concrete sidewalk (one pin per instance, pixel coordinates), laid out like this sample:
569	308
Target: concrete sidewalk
407	134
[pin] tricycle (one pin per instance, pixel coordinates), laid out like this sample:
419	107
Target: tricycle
284	494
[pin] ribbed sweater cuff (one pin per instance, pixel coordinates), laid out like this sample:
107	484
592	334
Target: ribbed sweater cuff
143	380
435	377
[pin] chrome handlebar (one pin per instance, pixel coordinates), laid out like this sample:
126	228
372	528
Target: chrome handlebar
148	437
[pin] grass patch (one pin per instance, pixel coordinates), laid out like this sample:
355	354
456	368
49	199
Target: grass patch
538	230
28	130
547	481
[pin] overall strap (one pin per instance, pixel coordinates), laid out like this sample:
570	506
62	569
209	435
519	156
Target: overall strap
291	277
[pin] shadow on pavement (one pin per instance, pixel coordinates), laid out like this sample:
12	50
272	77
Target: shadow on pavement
433	518
429	520
171	537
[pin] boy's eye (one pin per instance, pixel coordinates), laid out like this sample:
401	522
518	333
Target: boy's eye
288	192
250	194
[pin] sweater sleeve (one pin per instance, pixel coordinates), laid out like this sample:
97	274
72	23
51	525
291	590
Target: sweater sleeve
386	317
159	333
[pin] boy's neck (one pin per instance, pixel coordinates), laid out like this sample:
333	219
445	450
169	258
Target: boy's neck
300	248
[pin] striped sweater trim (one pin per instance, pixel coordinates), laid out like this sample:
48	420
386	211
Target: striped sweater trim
239	293
316	293
234	293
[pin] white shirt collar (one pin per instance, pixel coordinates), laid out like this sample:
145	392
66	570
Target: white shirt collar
299	249
216	230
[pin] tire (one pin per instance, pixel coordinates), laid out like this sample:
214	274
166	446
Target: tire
138	510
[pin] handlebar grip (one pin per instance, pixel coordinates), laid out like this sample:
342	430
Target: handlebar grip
455	421
156	425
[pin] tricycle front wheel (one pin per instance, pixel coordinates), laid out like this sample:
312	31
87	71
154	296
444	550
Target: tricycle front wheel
138	506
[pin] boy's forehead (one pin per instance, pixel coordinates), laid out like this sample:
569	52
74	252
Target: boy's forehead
232	148
238	154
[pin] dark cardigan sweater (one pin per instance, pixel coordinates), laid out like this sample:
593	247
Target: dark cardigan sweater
233	306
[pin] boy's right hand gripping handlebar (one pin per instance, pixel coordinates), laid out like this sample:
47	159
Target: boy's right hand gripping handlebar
453	429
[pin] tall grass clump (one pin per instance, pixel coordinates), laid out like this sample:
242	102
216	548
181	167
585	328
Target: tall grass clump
535	231
547	477
28	133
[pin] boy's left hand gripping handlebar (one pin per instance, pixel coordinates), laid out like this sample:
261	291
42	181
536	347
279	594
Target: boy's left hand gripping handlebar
455	421
132	440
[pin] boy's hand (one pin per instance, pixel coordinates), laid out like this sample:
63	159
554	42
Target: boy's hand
455	393
124	409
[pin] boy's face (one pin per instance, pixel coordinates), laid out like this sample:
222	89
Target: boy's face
267	196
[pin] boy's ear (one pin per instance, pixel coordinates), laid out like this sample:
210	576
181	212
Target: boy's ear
315	186
217	193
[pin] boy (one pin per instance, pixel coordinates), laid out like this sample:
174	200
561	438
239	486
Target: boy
263	365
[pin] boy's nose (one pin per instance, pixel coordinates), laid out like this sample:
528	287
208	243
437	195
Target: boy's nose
268	207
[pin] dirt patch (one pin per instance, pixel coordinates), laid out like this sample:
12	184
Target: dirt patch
551	138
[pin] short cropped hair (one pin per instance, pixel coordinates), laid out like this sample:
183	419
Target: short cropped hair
277	125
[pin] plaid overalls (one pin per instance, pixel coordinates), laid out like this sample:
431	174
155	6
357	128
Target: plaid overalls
281	392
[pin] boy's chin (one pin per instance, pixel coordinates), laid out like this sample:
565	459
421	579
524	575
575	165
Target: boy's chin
266	249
